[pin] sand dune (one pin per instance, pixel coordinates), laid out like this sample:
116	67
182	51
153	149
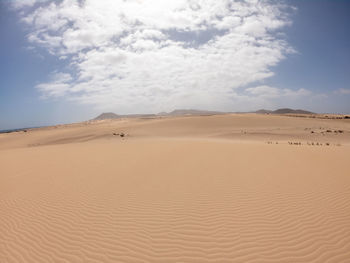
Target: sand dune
238	127
184	189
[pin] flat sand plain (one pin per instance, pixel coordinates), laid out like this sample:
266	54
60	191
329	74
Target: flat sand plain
224	188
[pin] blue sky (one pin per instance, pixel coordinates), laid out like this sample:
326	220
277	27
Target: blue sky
68	61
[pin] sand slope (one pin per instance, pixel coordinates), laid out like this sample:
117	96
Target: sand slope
176	190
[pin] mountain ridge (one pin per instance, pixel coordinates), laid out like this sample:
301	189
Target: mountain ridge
284	111
194	112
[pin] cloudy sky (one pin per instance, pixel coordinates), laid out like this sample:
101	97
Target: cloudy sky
65	61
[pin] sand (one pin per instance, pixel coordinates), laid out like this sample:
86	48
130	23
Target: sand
228	188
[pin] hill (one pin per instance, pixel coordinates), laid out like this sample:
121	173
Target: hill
107	115
284	111
263	111
179	112
192	112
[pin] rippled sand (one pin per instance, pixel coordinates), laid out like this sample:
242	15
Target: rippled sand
189	189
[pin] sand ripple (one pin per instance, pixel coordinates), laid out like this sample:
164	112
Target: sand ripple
174	202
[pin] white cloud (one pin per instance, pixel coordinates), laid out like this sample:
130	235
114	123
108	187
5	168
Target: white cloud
133	56
18	4
272	92
297	93
58	86
264	91
343	91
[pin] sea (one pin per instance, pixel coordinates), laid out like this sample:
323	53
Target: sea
19	129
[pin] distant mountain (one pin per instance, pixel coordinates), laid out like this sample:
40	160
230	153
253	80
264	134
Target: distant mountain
180	112
263	111
284	111
107	115
111	115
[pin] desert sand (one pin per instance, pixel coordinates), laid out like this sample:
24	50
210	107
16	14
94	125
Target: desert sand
222	188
